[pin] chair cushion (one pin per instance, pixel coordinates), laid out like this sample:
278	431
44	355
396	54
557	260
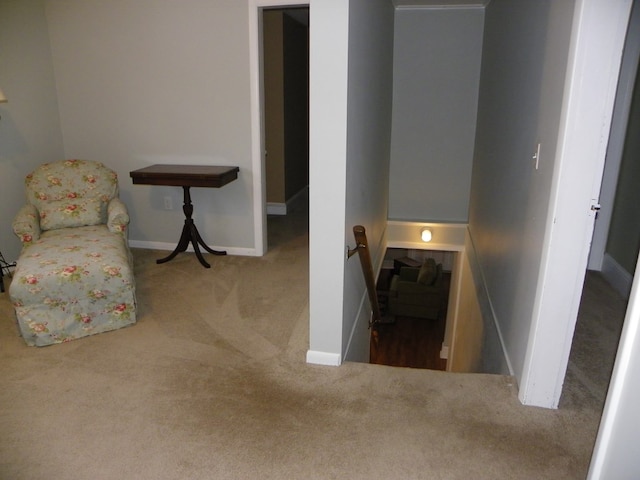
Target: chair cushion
428	272
78	212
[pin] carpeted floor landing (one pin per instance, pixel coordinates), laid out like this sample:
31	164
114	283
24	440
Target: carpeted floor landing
211	383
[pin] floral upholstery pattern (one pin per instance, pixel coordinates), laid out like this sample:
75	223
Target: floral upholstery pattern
64	213
74	276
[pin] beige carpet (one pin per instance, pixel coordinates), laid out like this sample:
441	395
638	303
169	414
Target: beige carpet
211	383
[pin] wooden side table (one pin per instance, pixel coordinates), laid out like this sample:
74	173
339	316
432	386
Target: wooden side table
187	176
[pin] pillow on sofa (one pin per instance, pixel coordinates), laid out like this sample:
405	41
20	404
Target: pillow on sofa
428	272
76	212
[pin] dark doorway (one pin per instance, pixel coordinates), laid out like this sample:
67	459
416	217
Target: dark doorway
286	108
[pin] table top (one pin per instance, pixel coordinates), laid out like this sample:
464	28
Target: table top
213	176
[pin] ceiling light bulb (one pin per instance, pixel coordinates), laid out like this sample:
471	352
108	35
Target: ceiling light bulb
425	234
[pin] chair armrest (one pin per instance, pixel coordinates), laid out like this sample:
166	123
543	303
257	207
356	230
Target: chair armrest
26	224
117	216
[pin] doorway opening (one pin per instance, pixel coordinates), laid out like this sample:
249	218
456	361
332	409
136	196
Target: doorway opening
285	80
616	238
614	250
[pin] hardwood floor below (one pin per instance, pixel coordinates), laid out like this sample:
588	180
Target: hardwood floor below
410	342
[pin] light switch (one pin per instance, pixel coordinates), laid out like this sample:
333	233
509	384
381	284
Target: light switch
536	157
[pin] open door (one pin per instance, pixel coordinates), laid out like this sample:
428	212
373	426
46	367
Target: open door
627	83
598	37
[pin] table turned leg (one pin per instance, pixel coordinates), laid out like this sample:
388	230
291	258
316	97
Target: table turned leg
191	235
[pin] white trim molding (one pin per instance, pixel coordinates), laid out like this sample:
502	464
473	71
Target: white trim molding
439	4
324	358
274	208
299	200
444	352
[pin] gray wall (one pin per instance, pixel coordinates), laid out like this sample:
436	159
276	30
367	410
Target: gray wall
30	128
520	106
368	145
437	57
624	232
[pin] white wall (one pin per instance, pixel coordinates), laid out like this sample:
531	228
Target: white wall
524	61
465	347
437	57
29	127
159	81
368	146
328	64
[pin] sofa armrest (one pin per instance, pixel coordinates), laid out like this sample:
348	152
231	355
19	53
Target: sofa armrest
26	224
117	216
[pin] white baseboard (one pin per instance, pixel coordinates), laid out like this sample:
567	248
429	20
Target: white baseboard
276	208
246	252
299	200
444	352
324	358
487	310
616	275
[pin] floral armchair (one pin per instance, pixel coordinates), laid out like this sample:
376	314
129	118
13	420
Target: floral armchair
74	276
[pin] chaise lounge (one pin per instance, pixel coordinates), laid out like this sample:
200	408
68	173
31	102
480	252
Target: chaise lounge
74	276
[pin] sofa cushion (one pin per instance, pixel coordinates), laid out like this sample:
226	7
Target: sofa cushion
428	272
73	212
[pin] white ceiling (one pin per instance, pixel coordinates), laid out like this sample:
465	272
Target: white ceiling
440	3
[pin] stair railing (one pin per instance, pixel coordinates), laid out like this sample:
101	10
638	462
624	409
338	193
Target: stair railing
362	248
